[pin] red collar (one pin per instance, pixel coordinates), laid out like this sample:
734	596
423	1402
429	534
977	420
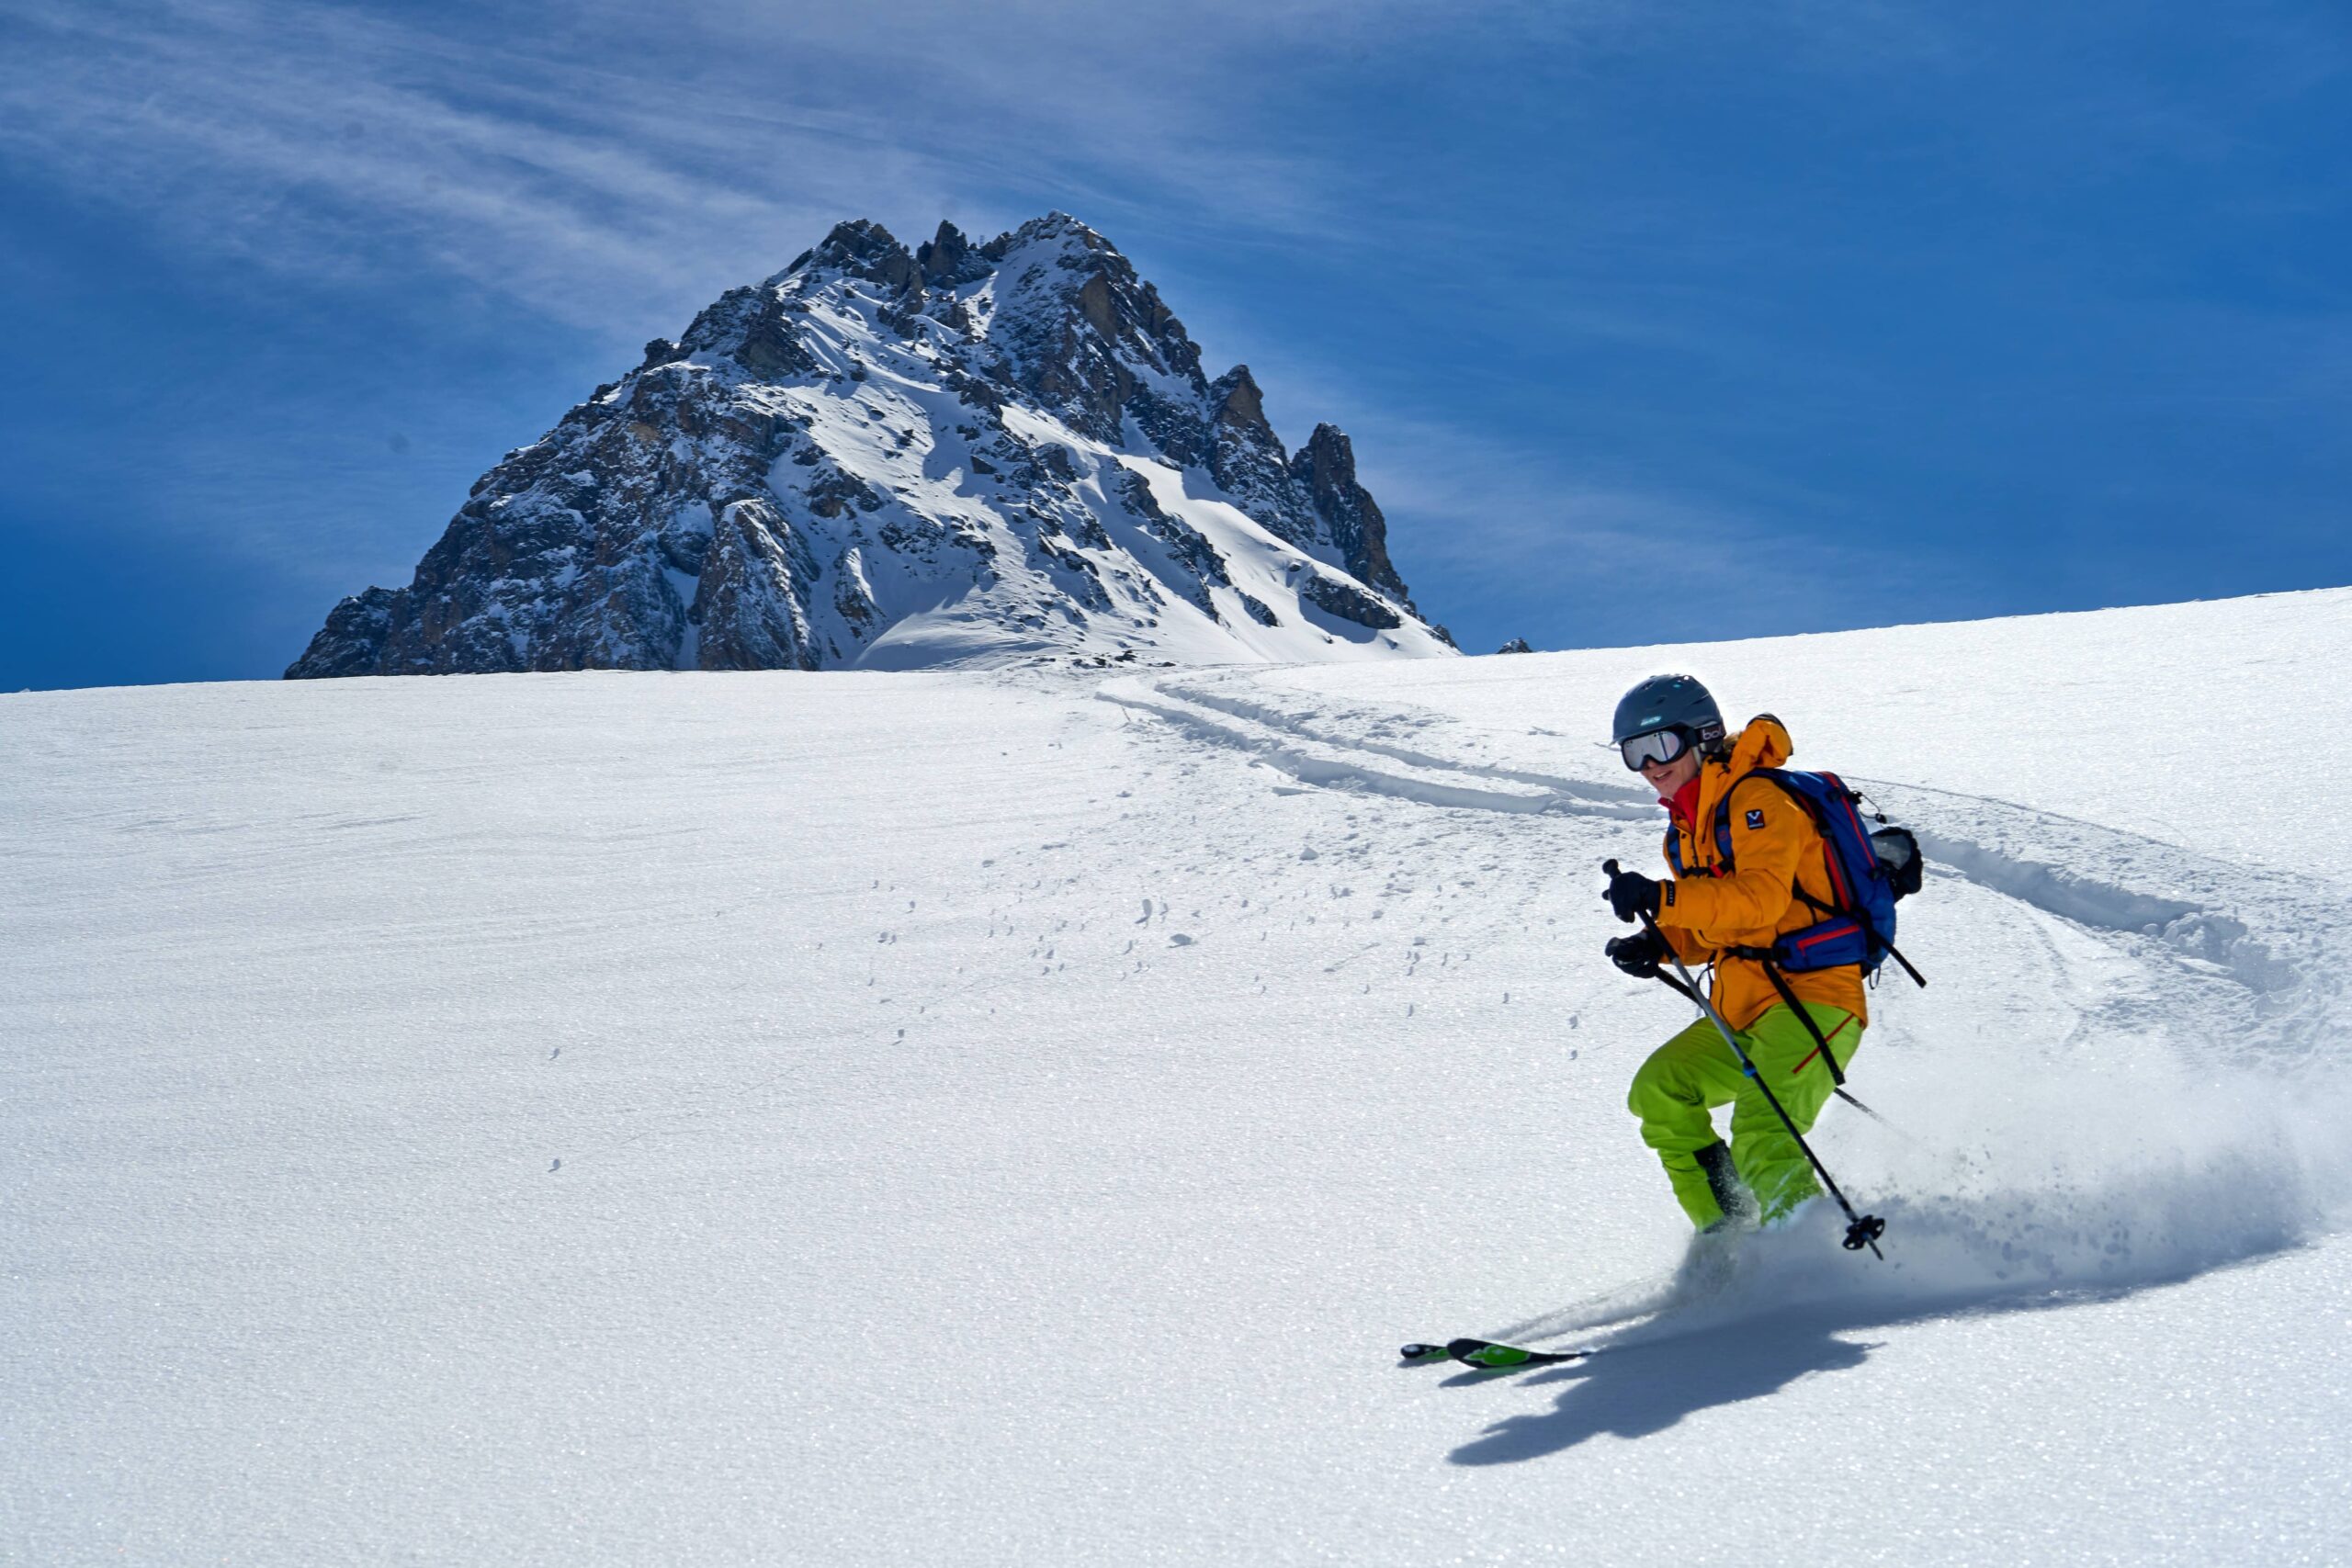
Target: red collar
1684	803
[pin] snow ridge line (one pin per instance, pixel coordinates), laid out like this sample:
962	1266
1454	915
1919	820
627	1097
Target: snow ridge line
2169	902
1596	799
1315	764
2276	935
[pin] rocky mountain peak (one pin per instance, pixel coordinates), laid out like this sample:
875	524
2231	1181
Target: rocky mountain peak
862	249
948	260
1239	405
1080	330
891	459
1324	470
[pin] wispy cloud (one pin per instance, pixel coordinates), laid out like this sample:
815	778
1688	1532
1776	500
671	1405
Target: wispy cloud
1502	533
613	168
613	160
1493	514
1467	502
340	146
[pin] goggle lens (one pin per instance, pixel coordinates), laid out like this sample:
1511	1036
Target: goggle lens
1657	745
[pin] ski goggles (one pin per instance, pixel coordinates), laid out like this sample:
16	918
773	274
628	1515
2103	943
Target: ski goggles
1657	745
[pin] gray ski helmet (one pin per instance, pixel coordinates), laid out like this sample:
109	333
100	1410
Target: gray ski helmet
1669	702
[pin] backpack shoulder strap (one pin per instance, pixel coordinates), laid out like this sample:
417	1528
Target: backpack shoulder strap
1723	832
1805	803
1722	809
1810	807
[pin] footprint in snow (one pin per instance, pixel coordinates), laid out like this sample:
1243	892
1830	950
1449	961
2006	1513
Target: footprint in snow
1180	940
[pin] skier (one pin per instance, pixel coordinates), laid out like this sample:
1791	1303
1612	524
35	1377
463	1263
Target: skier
1669	731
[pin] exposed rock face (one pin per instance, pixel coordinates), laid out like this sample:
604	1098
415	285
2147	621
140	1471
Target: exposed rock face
1516	645
892	460
1324	472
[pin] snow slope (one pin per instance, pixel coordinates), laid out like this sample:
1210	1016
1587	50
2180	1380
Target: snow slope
1012	1118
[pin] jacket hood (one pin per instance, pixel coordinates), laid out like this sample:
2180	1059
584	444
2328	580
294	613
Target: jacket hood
1763	743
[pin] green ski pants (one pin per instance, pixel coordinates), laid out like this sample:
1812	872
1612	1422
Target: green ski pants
1695	1071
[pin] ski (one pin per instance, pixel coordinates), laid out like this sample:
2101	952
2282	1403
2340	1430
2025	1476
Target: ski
1486	1353
1488	1356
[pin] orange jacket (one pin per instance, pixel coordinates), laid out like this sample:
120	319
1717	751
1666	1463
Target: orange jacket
1775	847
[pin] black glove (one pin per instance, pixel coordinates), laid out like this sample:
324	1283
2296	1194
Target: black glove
1632	895
1636	955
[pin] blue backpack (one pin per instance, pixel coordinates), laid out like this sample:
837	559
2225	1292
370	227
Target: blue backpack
1867	871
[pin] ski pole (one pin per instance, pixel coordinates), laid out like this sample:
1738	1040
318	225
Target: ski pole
1861	1230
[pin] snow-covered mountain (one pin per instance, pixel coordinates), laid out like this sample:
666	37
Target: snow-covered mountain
965	453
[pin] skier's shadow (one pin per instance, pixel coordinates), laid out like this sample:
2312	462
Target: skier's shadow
1636	1389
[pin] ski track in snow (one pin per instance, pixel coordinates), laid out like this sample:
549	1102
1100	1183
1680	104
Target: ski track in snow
2233	998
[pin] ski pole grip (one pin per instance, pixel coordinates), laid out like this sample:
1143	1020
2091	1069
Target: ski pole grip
1609	867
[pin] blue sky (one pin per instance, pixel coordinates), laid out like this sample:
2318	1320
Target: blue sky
1649	320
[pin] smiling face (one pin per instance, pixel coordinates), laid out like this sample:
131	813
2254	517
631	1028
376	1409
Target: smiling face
1667	778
